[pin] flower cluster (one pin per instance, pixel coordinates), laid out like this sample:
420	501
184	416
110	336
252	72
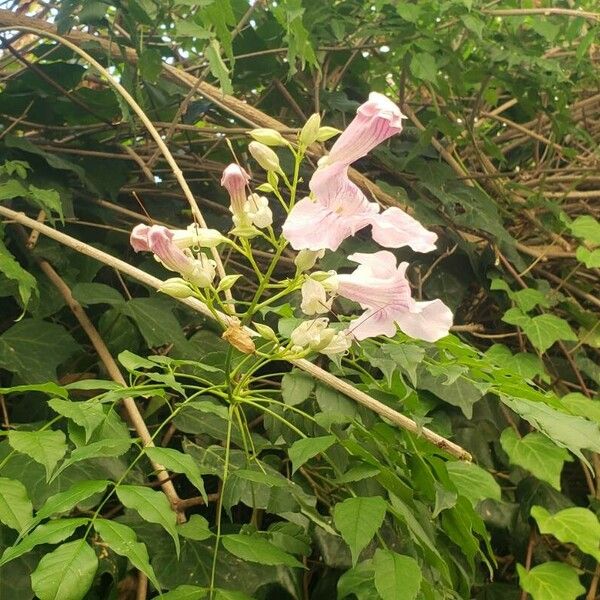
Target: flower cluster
335	210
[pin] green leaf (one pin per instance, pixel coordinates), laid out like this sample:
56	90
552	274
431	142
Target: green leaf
580	405
150	64
123	540
408	356
579	526
563	429
296	387
586	228
16	509
155	320
358	519
551	581
12	188
536	453
52	532
423	66
185	592
26	282
330	401
46	447
48	200
473	482
152	506
529	298
65	501
96	293
190	29
195	528
303	450
88	415
544	330
176	461
590	258
407	11
255	548
472	23
66	573
103	448
397	577
217	66
33	349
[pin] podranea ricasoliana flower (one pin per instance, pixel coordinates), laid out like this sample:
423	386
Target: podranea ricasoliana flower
247	211
198	270
379	285
316	335
339	208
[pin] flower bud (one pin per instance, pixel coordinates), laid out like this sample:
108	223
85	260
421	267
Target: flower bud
265	332
264	156
310	131
326	133
235	180
269	137
227	282
176	287
195	235
306	259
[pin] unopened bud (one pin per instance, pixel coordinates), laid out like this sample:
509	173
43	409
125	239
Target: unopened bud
195	235
264	156
176	287
265	332
239	338
310	131
270	137
227	282
326	133
306	259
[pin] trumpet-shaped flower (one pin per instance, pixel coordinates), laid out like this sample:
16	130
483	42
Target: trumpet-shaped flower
235	180
339	208
381	288
160	241
376	120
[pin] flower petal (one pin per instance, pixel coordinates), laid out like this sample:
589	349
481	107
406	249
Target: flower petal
394	228
312	226
429	321
371	324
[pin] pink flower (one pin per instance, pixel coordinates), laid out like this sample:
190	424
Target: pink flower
376	120
235	180
340	209
381	288
160	241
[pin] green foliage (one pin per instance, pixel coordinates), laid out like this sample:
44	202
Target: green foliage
293	490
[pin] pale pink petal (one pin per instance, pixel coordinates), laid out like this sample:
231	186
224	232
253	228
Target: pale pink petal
371	324
376	120
160	241
429	321
393	228
235	180
139	238
381	264
312	226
